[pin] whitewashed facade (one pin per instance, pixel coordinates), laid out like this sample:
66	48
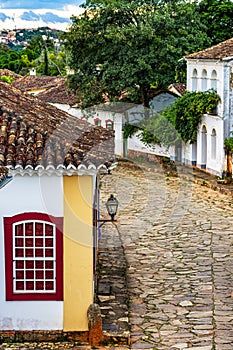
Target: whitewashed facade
211	69
27	193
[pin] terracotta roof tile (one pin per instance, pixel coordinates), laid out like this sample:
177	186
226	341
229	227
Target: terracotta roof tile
32	82
219	51
177	88
3	173
34	133
58	94
9	73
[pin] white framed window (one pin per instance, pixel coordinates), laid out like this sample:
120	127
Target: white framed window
34	257
204	80
214	80
213	144
194	80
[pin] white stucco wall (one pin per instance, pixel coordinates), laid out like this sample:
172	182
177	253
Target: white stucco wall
117	119
222	122
213	165
135	144
29	194
76	112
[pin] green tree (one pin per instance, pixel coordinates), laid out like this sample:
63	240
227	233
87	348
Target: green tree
121	47
218	17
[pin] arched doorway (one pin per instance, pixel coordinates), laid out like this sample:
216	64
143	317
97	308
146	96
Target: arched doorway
213	144
203	146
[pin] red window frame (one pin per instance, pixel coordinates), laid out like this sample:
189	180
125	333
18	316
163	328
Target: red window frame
97	121
9	257
109	124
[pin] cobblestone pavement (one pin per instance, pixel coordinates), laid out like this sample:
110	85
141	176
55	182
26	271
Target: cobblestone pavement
57	346
166	266
176	237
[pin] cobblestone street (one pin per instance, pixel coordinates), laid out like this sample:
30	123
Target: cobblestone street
165	266
175	237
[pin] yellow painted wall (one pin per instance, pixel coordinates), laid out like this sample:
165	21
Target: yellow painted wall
78	251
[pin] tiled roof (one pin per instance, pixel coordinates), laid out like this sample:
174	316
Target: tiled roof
32	82
58	94
9	73
219	51
3	173
177	88
34	135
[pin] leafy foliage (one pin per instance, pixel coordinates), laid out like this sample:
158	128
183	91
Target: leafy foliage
228	145
185	114
159	130
129	130
177	122
218	16
41	53
6	78
121	47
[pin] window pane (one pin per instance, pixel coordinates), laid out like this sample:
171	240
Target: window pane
19	242
34	254
39	242
40	275
19	285
29	229
39	229
48	230
29	253
39	285
19	230
29	242
19	253
30	274
19	274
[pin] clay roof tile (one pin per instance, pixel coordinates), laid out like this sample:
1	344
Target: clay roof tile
35	133
219	51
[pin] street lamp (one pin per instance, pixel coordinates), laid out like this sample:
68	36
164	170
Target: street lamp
112	206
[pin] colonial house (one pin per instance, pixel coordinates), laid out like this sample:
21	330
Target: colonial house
50	164
211	68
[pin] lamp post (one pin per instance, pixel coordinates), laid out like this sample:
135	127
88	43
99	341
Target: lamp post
112	206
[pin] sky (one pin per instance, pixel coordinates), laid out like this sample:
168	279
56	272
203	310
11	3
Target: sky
38	4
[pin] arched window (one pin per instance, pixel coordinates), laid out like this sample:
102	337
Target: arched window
213	144
203	146
109	124
34	255
194	80
204	80
214	80
97	122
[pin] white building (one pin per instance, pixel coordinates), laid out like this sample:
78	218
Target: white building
211	68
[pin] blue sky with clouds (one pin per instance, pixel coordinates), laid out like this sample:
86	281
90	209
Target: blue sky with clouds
38	4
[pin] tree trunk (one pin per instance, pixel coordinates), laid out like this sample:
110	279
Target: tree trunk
146	101
229	165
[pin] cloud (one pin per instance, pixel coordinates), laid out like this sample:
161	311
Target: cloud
38	4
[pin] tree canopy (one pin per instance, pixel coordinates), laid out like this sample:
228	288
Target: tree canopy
217	15
124	48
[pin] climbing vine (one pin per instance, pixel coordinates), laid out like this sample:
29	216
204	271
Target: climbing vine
186	113
129	130
177	122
